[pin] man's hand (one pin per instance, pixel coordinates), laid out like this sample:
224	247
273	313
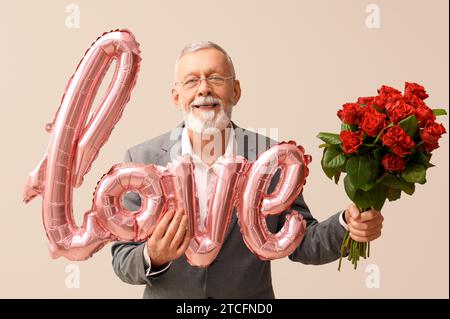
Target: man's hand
363	227
170	239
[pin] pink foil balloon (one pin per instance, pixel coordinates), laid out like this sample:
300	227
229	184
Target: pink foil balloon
181	190
121	179
255	204
205	244
73	145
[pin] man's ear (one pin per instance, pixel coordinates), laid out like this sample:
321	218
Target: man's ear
236	91
176	98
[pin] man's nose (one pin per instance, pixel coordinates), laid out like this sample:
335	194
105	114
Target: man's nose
203	88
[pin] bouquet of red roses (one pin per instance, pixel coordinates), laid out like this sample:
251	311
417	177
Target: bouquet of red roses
384	147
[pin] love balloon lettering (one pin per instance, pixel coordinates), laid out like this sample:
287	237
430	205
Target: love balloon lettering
75	143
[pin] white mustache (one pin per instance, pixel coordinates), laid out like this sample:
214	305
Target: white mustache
206	100
208	119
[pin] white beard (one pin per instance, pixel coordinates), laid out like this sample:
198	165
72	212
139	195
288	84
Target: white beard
207	121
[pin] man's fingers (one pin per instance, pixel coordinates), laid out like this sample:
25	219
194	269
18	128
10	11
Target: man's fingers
161	228
353	211
370	215
364	233
173	226
184	245
365	226
365	239
182	228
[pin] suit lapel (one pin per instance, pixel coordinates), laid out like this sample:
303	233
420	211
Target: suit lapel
245	147
171	146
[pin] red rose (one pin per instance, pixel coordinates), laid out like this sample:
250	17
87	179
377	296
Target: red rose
397	140
393	163
366	101
372	121
351	141
387	90
351	113
428	147
432	132
386	95
398	110
424	115
415	89
380	101
414	101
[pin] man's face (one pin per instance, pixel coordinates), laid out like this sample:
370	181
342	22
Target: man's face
206	105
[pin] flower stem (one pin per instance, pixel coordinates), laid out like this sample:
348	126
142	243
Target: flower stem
354	249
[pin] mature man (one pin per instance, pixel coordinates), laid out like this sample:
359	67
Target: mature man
206	90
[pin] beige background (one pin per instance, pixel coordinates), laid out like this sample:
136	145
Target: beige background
298	62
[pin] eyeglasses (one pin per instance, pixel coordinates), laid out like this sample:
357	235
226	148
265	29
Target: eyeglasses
214	80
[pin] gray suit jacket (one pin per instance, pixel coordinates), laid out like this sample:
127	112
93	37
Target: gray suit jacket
236	272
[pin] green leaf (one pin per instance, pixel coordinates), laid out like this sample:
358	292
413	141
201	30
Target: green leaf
377	196
407	187
345	127
368	186
359	170
392	181
324	145
330	172
397	182
439	112
421	158
393	194
336	177
374	167
378	153
334	157
415	173
362	199
329	138
348	127
379	109
350	189
375	170
409	125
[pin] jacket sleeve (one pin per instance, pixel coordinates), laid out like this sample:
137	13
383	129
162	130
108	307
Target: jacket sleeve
321	242
128	257
128	262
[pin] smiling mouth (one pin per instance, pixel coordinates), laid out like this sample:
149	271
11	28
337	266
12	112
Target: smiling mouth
208	106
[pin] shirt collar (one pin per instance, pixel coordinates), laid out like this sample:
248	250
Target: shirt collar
230	150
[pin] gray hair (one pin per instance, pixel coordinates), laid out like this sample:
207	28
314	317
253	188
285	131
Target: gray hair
196	46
